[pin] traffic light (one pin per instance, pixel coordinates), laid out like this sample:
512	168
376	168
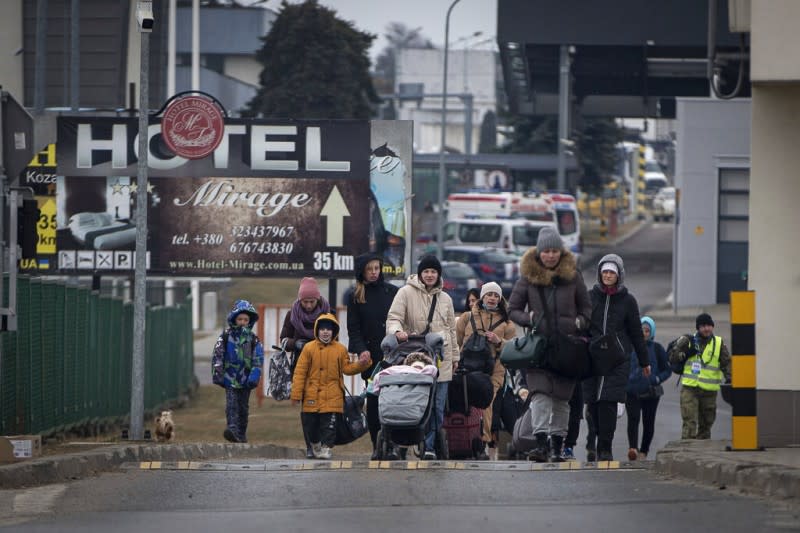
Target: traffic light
27	235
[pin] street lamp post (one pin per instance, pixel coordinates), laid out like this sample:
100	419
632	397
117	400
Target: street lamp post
144	16
442	175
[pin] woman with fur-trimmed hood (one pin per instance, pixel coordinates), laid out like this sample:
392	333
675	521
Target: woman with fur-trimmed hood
549	276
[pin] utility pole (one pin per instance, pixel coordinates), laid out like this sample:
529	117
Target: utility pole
563	116
442	173
145	18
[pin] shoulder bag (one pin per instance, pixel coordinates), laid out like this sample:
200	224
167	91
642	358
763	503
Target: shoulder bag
528	350
569	356
606	351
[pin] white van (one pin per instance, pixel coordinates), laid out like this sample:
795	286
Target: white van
566	215
514	235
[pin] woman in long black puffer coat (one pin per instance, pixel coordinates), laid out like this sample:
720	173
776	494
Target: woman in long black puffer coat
366	323
614	310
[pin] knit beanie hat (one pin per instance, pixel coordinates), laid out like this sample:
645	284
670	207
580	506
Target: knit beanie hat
549	239
609	265
308	289
429	261
703	319
491	287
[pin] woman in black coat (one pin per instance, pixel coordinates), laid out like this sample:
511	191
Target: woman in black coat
614	310
366	323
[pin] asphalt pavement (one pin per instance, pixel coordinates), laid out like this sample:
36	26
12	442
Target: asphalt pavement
773	472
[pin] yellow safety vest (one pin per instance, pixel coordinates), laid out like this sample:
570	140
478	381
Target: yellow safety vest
702	370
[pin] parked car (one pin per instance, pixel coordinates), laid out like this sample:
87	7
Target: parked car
490	264
664	204
457	279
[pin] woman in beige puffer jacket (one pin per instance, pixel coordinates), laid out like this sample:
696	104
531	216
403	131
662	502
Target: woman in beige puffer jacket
408	315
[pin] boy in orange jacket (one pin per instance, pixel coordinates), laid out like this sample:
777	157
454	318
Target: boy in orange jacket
319	385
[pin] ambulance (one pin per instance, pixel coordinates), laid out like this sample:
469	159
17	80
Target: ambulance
531	206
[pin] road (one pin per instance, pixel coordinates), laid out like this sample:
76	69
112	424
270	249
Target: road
359	499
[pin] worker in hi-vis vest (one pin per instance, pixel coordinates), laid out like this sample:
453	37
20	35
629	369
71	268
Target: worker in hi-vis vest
704	363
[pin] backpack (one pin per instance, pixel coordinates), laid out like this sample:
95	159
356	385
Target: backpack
279	375
476	354
676	358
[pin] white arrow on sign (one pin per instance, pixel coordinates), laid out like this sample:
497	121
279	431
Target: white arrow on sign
335	210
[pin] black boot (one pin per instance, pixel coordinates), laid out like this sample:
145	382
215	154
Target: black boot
556	444
309	452
539	451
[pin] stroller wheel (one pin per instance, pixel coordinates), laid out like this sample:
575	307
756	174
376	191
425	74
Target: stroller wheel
441	445
380	445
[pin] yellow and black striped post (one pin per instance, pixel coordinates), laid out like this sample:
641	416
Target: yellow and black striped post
640	184
744	428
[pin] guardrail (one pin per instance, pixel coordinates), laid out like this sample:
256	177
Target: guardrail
69	364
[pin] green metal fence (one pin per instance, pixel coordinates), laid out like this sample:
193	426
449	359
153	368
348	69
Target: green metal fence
68	365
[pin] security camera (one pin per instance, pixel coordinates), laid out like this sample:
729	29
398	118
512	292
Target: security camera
144	15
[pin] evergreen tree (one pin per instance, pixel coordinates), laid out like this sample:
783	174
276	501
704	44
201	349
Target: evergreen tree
488	139
596	151
316	65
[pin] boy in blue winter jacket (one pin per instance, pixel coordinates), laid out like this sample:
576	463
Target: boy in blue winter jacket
236	366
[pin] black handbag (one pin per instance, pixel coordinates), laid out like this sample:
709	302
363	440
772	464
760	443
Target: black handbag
528	350
569	354
607	353
351	424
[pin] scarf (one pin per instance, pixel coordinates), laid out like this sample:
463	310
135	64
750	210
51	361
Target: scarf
303	322
610	290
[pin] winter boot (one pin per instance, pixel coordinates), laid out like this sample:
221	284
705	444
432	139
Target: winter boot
309	452
539	451
482	455
604	455
556	443
229	435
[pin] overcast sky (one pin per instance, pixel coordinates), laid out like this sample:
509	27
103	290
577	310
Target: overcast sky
468	16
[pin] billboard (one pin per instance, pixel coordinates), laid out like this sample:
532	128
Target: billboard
275	198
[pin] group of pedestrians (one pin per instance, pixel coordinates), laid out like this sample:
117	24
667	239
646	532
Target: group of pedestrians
550	293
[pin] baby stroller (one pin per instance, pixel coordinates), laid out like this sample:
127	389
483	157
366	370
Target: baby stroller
405	401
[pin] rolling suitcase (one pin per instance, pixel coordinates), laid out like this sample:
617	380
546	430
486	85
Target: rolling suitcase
464	433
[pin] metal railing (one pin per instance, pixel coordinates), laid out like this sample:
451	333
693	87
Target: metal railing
69	364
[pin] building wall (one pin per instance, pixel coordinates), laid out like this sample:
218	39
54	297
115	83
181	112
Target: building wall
11	45
470	71
774	259
707	129
774	36
245	69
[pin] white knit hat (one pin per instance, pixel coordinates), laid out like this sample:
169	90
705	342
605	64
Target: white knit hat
609	265
491	287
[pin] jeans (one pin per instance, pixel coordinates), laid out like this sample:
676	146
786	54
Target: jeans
549	415
437	416
604	419
647	407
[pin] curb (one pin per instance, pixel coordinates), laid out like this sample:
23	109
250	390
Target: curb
61	468
747	477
